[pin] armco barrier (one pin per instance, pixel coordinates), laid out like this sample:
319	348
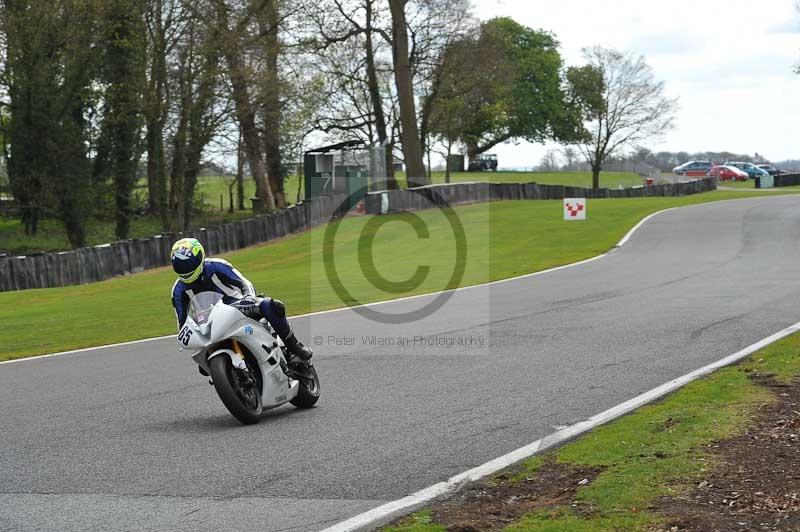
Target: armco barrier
97	263
462	193
787	180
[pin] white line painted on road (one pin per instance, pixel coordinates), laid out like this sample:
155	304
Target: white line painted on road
392	510
85	349
641	223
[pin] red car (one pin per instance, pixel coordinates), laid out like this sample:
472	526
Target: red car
728	173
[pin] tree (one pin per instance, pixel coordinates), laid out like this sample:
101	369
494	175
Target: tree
353	42
269	17
510	84
522	94
549	162
448	106
376	98
163	25
50	65
232	46
196	77
634	107
124	72
435	28
570	155
404	80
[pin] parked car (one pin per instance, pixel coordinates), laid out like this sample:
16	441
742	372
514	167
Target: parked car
483	162
771	169
727	173
693	168
752	170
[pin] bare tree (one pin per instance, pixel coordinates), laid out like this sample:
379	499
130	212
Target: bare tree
549	161
163	27
198	114
570	156
230	27
352	42
634	107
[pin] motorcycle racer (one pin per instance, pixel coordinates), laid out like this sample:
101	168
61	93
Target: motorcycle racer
197	274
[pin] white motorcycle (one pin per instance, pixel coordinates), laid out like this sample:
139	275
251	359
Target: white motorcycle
245	359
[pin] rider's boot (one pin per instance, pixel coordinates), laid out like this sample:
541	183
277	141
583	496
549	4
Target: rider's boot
275	312
296	347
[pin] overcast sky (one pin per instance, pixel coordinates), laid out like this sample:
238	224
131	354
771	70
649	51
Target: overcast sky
730	63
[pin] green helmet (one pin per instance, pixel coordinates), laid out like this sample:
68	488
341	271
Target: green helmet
188	257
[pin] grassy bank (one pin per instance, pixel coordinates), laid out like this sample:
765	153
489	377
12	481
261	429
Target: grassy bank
615	477
212	193
504	239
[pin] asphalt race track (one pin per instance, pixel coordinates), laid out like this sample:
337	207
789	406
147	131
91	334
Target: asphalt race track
133	438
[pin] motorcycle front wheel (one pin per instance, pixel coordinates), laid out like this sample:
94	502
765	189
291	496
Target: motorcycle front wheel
240	397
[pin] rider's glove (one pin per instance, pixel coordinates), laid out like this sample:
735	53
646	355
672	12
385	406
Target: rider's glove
249	306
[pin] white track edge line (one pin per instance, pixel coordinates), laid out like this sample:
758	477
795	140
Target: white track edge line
397	508
376	303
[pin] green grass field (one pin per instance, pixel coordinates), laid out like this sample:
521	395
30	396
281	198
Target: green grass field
210	190
574	179
504	239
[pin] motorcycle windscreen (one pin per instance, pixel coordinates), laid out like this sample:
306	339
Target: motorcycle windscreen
201	306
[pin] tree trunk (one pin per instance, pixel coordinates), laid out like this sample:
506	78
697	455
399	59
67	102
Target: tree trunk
391	182
412	151
377	100
447	161
231	49
472	150
430	166
155	110
269	21
156	180
179	155
239	174
595	177
176	188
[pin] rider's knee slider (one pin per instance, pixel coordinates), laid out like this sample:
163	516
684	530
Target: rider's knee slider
278	308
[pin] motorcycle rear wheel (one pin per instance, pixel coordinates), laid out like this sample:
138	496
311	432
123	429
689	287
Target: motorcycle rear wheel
244	403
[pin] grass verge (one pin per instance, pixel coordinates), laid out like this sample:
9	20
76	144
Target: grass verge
504	239
626	467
